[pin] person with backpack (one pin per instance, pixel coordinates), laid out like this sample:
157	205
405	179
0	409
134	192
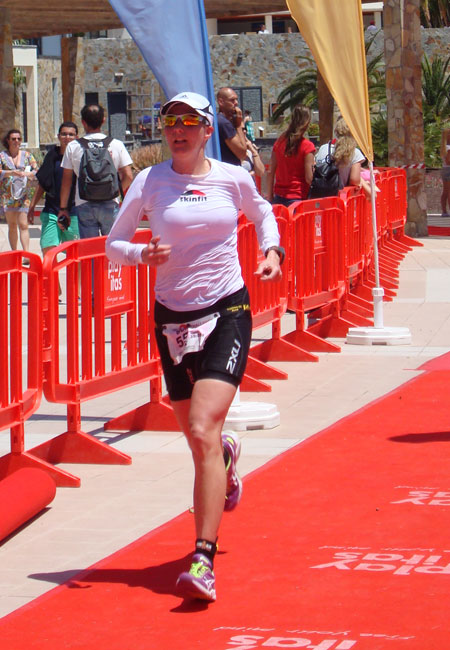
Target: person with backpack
338	163
291	163
102	166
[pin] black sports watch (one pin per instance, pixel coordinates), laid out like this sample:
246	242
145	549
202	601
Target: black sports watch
278	249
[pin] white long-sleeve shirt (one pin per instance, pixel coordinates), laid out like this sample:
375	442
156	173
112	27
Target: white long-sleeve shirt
197	216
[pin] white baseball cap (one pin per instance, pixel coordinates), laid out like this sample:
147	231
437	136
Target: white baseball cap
200	104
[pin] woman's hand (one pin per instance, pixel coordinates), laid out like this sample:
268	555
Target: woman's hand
269	269
154	254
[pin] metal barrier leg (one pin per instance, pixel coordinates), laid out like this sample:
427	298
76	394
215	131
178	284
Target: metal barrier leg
76	446
307	340
281	348
251	385
359	305
156	415
259	369
19	459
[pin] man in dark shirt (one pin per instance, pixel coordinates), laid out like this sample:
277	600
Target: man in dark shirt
233	146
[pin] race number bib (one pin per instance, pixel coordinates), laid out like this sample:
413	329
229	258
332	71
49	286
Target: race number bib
188	337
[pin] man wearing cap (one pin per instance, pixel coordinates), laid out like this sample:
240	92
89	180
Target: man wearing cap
233	144
202	311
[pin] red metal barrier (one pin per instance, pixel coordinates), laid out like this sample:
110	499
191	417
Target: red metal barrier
363	280
109	333
388	258
398	212
268	304
113	309
21	360
355	234
356	225
318	274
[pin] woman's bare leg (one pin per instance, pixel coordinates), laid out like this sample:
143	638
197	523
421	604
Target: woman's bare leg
24	233
11	220
201	419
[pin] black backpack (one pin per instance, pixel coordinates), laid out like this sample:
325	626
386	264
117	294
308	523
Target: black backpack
326	181
97	178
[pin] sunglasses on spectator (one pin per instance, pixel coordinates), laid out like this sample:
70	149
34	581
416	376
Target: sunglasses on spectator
190	119
16	138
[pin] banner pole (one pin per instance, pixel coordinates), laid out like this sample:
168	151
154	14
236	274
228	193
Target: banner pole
214	143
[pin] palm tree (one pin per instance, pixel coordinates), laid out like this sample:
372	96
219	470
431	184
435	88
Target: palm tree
436	112
435	13
303	89
436	87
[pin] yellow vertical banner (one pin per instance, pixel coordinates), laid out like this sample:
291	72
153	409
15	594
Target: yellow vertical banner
334	32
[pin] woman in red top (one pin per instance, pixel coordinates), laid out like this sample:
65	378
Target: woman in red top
292	161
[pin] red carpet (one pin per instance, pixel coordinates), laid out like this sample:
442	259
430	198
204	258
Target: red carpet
439	363
439	231
341	543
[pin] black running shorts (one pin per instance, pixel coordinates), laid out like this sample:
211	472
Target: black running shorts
224	355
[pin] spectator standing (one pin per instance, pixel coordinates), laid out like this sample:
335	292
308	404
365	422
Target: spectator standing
445	173
263	29
371	27
202	311
49	177
347	157
233	144
248	126
252	162
94	217
18	167
292	161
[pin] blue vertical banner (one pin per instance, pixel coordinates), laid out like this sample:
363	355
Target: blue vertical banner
173	40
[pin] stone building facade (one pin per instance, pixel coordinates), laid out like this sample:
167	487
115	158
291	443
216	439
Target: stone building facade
266	61
113	69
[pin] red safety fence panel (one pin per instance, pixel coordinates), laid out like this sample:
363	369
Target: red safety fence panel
397	213
268	299
317	258
21	360
317	253
100	341
268	302
355	233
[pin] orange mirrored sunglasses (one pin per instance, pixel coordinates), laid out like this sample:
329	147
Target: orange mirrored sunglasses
189	119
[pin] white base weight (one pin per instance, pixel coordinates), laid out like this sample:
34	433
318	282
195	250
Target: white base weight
252	415
379	336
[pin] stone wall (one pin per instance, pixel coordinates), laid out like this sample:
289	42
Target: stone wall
49	73
433	190
270	61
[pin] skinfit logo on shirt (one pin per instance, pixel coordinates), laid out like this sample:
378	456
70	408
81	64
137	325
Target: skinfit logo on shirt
193	196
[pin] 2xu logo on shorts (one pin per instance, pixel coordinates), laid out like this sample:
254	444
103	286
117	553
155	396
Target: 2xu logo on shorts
234	356
395	563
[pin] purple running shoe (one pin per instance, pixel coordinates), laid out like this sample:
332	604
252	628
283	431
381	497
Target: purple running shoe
232	446
199	581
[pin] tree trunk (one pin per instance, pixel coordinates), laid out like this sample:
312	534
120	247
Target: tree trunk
326	106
